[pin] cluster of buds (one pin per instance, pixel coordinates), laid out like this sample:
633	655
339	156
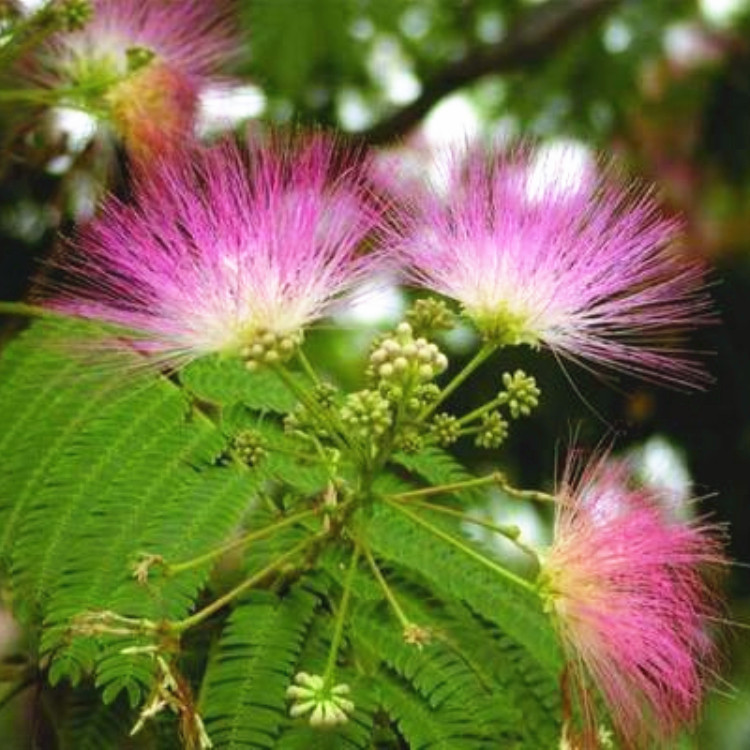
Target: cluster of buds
270	348
327	706
325	395
521	393
366	413
403	359
446	428
493	432
429	315
248	446
302	422
72	15
410	440
414	400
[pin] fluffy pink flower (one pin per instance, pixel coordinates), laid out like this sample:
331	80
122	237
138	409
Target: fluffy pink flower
140	64
225	251
629	596
539	254
193	36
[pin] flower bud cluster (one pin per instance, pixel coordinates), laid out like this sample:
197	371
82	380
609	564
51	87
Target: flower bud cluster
428	315
327	706
325	395
446	428
521	393
493	432
410	440
401	358
366	413
248	447
74	14
268	348
302	420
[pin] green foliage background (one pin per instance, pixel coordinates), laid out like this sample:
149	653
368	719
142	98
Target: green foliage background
610	83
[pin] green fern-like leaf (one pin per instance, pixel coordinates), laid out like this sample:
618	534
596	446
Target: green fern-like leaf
247	680
226	381
444	679
438	468
515	610
101	467
422	726
87	724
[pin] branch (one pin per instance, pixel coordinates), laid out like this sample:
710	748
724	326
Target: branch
537	35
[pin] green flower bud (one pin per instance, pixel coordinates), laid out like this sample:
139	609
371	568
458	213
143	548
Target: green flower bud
493	432
429	315
248	447
427	393
402	358
521	393
326	706
269	348
74	14
410	441
446	428
325	395
366	413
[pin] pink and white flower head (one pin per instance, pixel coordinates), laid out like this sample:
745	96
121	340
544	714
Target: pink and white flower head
141	64
226	251
562	258
629	595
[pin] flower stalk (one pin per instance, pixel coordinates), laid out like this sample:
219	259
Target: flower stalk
338	631
464	548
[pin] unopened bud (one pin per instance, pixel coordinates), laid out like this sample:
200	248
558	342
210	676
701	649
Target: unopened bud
446	428
493	432
327	706
430	315
521	393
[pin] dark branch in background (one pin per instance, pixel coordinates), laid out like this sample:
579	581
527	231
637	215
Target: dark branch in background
537	35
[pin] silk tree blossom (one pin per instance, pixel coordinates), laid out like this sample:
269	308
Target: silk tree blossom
628	592
141	64
567	259
226	251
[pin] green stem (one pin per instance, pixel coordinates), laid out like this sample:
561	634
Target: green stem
37	96
443	489
307	367
465	549
338	632
307	458
29	32
533	495
480	412
389	595
478	359
469	431
310	404
508	532
239	543
182	625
